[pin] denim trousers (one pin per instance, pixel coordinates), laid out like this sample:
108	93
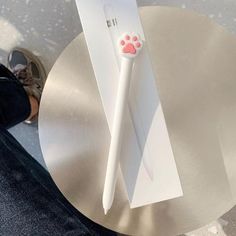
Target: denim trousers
14	102
30	203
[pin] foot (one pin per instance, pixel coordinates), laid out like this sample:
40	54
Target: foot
30	72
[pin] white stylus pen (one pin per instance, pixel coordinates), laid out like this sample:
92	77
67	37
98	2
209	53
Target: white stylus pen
114	32
129	45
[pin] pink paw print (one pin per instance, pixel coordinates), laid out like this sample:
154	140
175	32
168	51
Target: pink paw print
130	45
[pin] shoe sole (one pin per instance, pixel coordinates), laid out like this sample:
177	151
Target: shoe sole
31	57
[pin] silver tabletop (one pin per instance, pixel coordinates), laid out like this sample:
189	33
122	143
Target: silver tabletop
194	62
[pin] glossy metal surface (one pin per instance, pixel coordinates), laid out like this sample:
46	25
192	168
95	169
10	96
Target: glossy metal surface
194	60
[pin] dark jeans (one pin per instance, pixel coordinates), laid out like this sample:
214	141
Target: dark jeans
30	203
14	102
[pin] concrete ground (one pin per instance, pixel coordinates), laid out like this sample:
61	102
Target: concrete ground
47	27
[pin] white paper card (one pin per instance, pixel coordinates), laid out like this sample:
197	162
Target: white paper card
147	161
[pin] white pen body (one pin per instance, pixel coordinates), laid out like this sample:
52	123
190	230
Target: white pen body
117	132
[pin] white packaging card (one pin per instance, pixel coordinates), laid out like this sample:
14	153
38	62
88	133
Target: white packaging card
147	161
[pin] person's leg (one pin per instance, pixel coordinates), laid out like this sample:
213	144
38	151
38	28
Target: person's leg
14	102
29	70
34	108
20	88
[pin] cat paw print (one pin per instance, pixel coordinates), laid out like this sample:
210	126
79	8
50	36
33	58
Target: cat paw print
130	45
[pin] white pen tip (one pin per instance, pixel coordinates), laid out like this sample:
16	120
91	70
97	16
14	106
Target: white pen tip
105	211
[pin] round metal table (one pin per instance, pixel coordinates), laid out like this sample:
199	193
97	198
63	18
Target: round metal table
194	62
